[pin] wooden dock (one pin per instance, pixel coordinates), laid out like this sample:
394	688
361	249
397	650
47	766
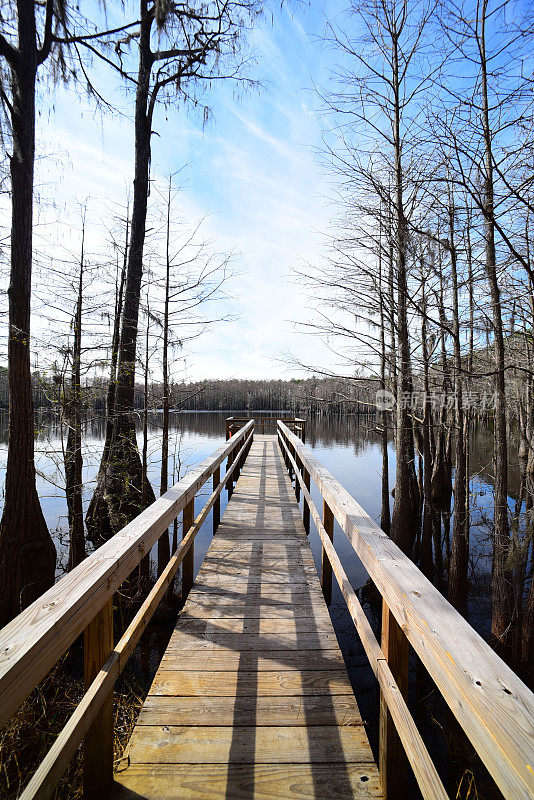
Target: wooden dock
252	698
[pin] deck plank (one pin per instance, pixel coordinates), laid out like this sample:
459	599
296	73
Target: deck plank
252	698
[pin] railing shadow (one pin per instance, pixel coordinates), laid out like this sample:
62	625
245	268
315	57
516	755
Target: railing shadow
241	736
308	638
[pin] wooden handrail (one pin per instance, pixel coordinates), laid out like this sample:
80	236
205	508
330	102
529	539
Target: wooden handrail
423	767
45	779
33	642
295	423
491	703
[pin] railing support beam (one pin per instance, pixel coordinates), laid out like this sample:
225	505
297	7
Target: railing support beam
98	743
392	761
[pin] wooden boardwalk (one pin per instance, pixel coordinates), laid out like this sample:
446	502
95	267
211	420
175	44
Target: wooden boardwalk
252	699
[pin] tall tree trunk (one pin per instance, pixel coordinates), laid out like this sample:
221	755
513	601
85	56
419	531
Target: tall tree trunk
73	453
391	301
459	562
406	505
119	492
502	583
163	543
144	451
385	516
27	552
426	562
115	343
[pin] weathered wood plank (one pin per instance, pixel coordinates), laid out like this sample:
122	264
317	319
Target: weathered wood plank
248	782
263	626
241	642
255	603
247	611
251	660
166	744
277	591
339	710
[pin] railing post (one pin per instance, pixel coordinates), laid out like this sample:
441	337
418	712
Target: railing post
326	568
98	743
217	503
392	761
188	562
303	432
243	457
306	508
229	482
297	482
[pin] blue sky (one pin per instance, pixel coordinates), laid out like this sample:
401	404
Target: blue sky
252	173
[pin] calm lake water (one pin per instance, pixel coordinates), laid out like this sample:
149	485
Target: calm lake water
350	448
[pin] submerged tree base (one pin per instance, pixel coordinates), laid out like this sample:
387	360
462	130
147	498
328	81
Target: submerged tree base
122	489
27	555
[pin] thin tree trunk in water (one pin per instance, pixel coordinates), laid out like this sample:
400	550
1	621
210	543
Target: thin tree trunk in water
97	514
385	516
502	584
406	505
527	652
119	492
112	385
27	552
441	473
163	542
391	295
426	562
459	562
73	454
144	457
144	567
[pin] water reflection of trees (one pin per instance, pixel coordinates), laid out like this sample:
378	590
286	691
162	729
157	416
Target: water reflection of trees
321	431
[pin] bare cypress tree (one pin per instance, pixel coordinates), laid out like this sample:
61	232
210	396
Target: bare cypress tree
459	562
492	100
27	553
381	99
179	46
73	451
33	33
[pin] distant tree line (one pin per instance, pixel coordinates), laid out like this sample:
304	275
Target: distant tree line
325	395
300	396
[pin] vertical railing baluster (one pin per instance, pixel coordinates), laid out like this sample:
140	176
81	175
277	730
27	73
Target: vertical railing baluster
326	568
188	562
217	504
306	508
392	761
98	743
229	482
